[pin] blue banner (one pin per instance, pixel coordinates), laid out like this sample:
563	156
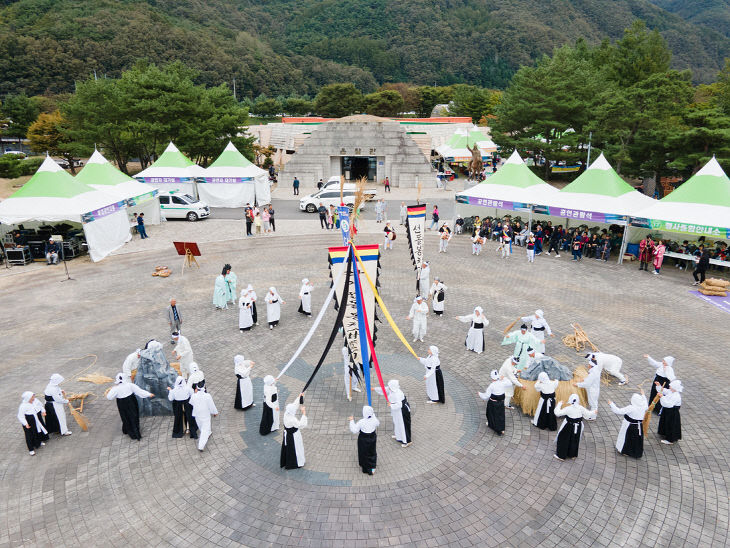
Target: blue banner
343	213
364	349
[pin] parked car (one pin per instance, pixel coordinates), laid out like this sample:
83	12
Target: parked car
16	152
65	164
327	197
183	206
334	184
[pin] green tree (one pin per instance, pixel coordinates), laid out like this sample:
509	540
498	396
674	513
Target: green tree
723	84
266	106
473	101
18	113
383	103
49	133
296	106
706	133
429	97
639	54
337	100
408	92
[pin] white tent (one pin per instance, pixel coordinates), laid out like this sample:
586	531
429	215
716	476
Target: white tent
233	181
172	171
455	150
52	195
140	197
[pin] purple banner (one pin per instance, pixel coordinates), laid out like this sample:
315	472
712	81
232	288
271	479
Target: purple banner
722	303
103	212
166	180
581	215
489	202
228	180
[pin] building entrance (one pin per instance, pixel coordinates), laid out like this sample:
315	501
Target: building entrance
355	167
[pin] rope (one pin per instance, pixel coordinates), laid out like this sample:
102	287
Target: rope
75	375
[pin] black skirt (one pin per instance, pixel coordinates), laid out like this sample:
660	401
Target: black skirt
178	426
288	457
367	456
664	382
267	420
301	309
495	413
568	439
440	385
405	411
32	438
670	424
254	315
237	404
192	424
633	440
129	413
546	420
43	436
52	424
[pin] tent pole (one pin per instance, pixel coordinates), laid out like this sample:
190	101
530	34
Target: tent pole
529	221
624	243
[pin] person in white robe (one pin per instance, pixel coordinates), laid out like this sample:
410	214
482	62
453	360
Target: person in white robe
126	394
567	440
273	307
494	395
367	456
424	277
630	440
254	311
220	291
179	395
592	384
545	412
539	328
476	243
292	446
400	411
351	381
434	377
270	414
508	370
670	424
663	374
55	407
231	283
438	296
33	428
245	311
305	295
196	378
131	362
203	408
244	388
419	315
533	356
609	363
475	336
183	352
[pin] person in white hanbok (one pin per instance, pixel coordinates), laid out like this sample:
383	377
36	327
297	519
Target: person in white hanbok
351	381
475	336
545	412
55	407
419	315
609	363
196	378
220	290
567	440
424	277
270	413
664	374
592	384
305	295
539	327
508	370
494	396
179	395
131	362
183	352
126	394
438	296
292	446
434	377
400	411
231	283
245	311
273	307
254	311
630	440
670	423
31	422
244	388
203	408
367	438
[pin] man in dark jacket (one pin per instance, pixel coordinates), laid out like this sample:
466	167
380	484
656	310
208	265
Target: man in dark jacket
703	263
52	251
322	215
248	213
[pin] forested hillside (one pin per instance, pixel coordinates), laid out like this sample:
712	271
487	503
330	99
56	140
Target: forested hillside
286	47
715	14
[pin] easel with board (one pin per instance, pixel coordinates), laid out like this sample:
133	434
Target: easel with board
189	250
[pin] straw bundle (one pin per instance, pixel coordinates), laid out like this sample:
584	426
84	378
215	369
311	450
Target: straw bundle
714	290
96	378
717	282
578	340
79	418
648	412
176	367
528	399
133	374
81	396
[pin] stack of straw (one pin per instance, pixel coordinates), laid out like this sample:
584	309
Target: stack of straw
528	399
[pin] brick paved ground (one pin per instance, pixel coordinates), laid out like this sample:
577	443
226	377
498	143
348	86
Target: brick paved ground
457	485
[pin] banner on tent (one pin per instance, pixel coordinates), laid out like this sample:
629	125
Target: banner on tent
227	180
370	256
565	169
137	200
103	212
488	202
582	215
166	180
686	228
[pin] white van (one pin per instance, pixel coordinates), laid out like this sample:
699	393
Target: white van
183	206
327	197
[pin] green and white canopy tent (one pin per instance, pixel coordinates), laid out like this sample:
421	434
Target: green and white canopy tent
233	181
454	149
52	195
699	207
140	197
173	171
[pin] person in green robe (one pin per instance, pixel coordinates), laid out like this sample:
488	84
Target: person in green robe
231	281
220	292
523	341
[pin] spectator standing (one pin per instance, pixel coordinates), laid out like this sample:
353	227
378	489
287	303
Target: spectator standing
174	319
403	213
434	217
265	217
295	184
140	226
52	250
387	185
320	183
322	215
272	221
248	215
257	221
577	247
703	262
659	256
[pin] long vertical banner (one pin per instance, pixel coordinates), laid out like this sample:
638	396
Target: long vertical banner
362	329
416	230
343	214
370	257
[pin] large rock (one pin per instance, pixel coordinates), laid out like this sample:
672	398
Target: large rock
155	375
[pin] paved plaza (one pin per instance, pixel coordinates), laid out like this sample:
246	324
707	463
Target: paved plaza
457	485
